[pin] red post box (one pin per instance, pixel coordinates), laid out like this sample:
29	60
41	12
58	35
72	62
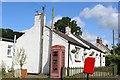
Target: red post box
89	65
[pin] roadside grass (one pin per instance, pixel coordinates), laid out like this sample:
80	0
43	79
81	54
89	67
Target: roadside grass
11	75
8	75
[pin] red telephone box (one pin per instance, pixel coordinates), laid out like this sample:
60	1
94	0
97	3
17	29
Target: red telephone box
89	65
57	61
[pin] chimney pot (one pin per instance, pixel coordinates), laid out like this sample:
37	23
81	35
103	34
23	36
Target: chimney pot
37	18
68	30
106	45
100	40
97	40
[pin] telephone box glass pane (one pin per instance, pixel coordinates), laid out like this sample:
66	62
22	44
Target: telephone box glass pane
63	59
55	61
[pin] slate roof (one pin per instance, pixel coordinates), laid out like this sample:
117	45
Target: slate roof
69	39
103	46
6	39
73	41
88	43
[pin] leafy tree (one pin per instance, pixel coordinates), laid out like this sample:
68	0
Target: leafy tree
8	33
66	21
114	58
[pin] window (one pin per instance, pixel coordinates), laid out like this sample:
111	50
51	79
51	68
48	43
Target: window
77	53
9	55
55	61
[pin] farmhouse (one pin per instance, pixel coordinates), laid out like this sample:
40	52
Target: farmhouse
38	50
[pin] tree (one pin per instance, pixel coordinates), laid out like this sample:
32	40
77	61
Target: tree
66	21
20	57
9	33
114	58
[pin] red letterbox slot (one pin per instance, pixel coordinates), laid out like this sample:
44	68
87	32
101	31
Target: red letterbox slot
89	65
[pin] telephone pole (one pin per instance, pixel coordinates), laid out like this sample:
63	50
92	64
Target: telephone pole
113	42
51	32
41	37
52	26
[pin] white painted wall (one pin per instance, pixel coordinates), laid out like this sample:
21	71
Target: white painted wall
97	58
3	54
57	40
30	41
73	58
46	52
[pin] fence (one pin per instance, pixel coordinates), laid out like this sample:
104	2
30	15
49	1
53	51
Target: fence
109	71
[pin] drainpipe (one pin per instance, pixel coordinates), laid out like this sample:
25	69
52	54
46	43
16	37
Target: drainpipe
68	59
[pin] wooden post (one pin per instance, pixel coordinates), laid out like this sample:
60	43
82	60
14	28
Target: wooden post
87	76
68	59
41	37
113	43
51	34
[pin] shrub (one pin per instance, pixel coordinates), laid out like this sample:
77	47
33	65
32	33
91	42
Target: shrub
3	68
20	57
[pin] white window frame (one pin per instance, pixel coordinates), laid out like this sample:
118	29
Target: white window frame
9	52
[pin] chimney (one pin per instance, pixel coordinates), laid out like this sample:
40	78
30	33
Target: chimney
100	41
97	40
106	45
67	30
37	19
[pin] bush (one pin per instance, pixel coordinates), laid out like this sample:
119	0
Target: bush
3	71
3	68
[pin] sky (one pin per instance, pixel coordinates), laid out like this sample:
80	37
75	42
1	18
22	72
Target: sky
96	19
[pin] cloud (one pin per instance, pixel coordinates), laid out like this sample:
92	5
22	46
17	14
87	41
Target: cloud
92	38
89	37
79	21
106	42
55	20
107	16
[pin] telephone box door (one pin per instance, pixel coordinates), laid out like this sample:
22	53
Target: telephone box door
56	61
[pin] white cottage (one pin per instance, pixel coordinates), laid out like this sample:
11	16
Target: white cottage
93	51
31	41
99	44
6	54
37	63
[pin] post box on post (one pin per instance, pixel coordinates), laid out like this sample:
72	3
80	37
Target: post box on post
89	66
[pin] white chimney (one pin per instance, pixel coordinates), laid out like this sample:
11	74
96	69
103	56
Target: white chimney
37	19
67	30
